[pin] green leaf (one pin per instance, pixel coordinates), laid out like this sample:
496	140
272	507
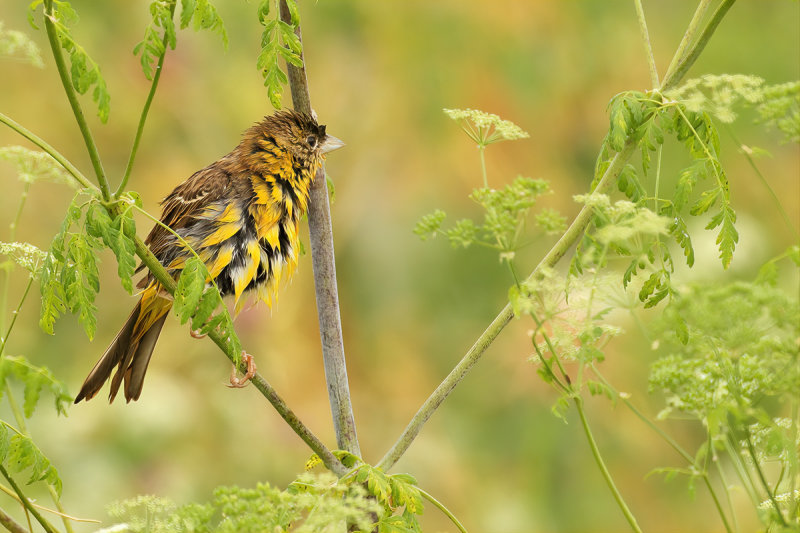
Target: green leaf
378	484
405	493
23	454
706	201
81	281
190	288
728	236
687	179
429	225
34	379
628	183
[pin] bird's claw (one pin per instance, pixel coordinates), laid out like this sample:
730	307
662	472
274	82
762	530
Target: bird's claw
195	333
237	382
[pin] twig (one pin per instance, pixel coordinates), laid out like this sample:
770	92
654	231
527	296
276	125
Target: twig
47	526
683	61
166	281
671	79
55	154
648	47
566	241
439	505
602	465
324	266
688	35
60	513
145	110
72	96
9	523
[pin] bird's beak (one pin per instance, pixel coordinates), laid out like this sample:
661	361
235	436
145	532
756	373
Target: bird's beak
330	144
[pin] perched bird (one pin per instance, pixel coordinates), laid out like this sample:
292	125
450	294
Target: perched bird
240	214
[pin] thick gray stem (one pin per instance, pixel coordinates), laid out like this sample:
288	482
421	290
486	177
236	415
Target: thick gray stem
322	256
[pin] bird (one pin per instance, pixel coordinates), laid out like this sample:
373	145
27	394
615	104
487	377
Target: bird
240	214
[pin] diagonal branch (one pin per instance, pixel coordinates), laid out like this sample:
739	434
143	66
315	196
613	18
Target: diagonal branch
684	58
455	376
330	461
322	256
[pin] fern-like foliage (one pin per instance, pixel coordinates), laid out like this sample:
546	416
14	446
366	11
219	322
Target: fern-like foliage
18	453
84	71
278	41
312	503
505	217
196	298
161	31
69	278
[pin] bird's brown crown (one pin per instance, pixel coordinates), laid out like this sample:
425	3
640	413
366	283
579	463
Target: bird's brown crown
287	131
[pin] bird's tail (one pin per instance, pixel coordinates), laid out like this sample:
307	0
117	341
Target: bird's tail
130	350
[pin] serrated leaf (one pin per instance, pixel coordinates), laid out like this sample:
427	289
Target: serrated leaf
378	484
618	124
405	493
207	305
727	236
706	201
187	11
650	286
190	288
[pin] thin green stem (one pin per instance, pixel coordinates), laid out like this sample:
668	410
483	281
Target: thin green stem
55	154
648	47
567	240
72	96
690	33
481	151
47	526
728	498
674	76
603	469
741	471
12	402
751	450
747	151
145	111
12	236
14	316
439	505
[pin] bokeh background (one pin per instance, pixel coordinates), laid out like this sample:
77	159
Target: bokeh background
380	73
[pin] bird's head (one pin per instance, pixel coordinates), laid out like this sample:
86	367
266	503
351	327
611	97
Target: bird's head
295	133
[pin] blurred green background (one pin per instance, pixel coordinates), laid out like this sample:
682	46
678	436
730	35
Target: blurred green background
380	72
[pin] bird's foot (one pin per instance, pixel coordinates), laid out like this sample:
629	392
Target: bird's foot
195	333
237	382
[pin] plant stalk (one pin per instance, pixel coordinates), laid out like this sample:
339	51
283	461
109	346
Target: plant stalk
682	66
648	47
47	526
72	96
145	111
166	281
570	237
324	266
9	523
55	154
603	469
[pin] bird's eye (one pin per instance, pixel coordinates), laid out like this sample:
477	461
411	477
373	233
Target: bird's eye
312	141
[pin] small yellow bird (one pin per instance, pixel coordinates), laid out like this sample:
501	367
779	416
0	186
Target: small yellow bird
241	215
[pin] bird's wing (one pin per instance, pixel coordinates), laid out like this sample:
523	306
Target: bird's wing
186	202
